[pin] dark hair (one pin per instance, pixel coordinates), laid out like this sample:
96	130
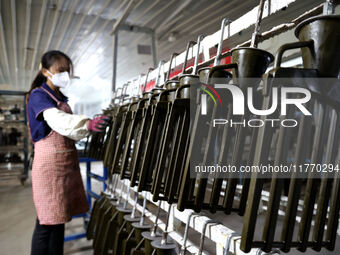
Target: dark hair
47	60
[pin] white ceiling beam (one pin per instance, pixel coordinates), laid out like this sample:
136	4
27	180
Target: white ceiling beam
128	9
15	45
175	13
80	23
166	6
243	22
37	40
209	19
212	19
203	13
4	48
94	21
54	24
134	19
27	30
67	24
150	19
98	33
97	70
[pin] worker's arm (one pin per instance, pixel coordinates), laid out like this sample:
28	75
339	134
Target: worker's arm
72	126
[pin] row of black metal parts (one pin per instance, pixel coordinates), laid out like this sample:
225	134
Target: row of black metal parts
151	140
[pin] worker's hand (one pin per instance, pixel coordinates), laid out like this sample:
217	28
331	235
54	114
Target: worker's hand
98	124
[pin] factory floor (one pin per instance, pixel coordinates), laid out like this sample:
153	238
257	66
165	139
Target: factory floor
17	219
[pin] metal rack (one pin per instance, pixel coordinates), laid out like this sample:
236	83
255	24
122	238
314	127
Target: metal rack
236	26
16	171
226	239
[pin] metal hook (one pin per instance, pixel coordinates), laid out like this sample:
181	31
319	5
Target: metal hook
117	96
108	191
199	40
146	78
190	44
155	226
126	195
329	7
228	241
124	91
135	92
160	64
203	233
141	222
170	64
256	34
139	85
121	192
165	233
113	186
133	212
185	237
224	22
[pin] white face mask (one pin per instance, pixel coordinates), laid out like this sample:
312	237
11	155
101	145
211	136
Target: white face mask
61	80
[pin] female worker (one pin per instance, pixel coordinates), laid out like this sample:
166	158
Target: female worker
58	191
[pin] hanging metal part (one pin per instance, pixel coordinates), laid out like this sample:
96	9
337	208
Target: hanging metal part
154	134
246	63
187	195
150	99
169	166
317	193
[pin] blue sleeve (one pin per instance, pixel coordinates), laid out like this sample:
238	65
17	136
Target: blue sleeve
38	102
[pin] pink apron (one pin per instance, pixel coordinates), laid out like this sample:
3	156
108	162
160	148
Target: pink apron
58	191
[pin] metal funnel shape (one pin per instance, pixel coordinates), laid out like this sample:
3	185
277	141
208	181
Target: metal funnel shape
251	62
247	62
324	54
